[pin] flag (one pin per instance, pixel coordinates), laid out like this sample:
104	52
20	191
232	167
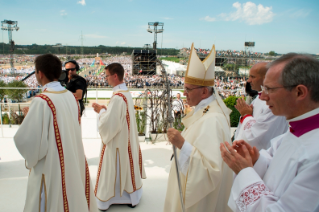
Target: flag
93	63
101	63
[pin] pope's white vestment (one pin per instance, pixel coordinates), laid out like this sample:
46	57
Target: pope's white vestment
121	169
206	179
261	127
285	177
50	141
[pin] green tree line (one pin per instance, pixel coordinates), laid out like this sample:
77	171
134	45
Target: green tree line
44	49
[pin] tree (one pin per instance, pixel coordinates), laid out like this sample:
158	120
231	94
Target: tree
2	91
229	66
272	53
16	94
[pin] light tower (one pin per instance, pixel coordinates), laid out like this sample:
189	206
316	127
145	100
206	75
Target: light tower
10	26
155	30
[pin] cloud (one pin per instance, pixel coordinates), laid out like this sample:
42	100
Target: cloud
63	13
123	43
209	19
248	12
82	2
94	36
302	13
167	18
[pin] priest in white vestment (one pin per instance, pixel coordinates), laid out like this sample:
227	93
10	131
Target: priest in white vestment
205	179
121	168
284	177
258	125
50	141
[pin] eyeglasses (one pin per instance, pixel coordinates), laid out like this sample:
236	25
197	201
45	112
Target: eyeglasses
70	69
267	90
187	90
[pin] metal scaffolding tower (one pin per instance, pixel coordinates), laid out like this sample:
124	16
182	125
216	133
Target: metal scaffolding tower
10	26
155	30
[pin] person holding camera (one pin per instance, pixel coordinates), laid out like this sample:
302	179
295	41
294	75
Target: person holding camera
76	84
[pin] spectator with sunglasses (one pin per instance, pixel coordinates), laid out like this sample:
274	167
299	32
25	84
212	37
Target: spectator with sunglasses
76	84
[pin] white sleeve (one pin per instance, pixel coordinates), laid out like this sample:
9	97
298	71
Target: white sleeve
249	192
258	131
32	137
101	111
98	118
184	157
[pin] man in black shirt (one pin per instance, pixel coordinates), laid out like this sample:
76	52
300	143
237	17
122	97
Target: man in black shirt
77	84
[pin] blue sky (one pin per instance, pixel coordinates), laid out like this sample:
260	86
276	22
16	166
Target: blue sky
282	26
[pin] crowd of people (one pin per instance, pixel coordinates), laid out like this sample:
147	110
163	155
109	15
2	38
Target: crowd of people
223	53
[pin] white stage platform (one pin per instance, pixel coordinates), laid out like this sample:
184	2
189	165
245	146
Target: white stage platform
14	175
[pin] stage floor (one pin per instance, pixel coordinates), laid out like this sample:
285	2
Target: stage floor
14	175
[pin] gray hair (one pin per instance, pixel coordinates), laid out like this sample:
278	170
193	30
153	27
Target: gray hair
301	69
210	89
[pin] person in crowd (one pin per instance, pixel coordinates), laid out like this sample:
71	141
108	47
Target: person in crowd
76	84
121	157
285	176
205	179
258	125
50	141
178	106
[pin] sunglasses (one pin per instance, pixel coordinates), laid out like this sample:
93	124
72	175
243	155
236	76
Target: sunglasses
70	69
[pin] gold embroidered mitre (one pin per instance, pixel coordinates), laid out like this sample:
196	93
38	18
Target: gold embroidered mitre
199	72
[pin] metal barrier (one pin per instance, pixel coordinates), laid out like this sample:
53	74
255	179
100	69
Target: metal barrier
87	117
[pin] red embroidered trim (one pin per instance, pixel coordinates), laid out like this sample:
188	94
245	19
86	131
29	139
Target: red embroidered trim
79	113
87	171
87	183
251	194
249	124
59	147
243	118
129	142
140	160
100	167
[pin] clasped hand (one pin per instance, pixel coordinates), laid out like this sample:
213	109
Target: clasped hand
97	108
240	155
243	108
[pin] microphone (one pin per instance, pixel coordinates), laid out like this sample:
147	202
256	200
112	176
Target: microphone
28	76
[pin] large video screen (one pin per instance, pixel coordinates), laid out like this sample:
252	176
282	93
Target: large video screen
249	43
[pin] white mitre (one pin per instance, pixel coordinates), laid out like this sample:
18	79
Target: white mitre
199	72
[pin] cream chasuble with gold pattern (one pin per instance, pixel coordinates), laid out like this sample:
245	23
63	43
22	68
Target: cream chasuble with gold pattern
208	180
50	140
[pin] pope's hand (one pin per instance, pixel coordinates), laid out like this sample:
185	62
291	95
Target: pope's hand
175	137
243	108
97	108
25	111
233	159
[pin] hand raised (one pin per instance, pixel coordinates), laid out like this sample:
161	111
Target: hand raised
234	160
253	151
97	108
243	108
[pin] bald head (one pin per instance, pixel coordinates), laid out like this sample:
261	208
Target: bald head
256	75
261	68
